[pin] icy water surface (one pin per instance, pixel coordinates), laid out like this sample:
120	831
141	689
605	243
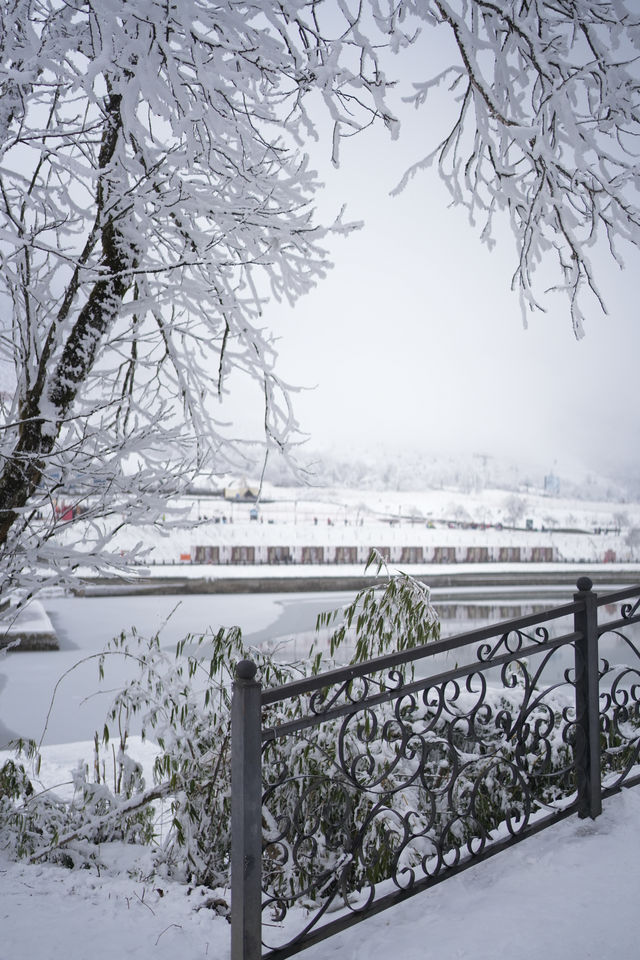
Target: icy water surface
31	703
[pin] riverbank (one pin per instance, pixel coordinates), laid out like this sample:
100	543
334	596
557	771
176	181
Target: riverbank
29	629
451	581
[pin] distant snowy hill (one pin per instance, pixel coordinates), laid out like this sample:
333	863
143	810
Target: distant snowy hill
388	469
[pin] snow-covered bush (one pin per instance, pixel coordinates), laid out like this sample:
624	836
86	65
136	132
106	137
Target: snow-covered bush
182	701
40	823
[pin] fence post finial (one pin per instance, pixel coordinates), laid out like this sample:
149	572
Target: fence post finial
246	670
584	584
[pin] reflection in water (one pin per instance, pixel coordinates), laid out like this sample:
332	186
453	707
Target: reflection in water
463	617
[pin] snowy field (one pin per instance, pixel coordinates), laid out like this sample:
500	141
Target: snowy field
305	505
568	892
577	530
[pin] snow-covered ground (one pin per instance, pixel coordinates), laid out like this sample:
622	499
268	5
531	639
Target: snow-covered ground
438	505
30	626
452	520
31	619
599	572
570	891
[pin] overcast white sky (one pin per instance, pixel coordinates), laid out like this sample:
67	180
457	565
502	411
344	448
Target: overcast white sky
415	338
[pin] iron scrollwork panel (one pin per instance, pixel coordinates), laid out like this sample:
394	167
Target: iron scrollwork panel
388	796
620	698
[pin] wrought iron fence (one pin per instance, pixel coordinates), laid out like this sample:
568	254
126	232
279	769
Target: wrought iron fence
357	788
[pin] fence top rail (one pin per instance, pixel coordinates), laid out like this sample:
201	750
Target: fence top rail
605	599
342	674
456	674
630	612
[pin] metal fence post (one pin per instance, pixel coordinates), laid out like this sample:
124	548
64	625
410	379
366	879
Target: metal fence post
587	750
246	815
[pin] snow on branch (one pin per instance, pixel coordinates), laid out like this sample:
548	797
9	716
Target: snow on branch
548	129
154	193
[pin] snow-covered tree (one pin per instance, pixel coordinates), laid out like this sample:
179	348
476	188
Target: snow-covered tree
514	508
547	129
155	191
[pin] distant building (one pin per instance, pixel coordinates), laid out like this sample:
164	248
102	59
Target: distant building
313	554
241	490
243	554
385	553
411	555
444	555
278	555
346	555
477	555
509	555
206	554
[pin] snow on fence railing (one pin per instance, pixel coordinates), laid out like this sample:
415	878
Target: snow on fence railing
359	787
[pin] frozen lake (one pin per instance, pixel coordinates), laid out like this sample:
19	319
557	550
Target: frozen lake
30	701
85	624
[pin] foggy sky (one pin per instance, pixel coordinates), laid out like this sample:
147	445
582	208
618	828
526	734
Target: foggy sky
416	340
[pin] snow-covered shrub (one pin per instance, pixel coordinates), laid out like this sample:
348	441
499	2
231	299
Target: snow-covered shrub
182	702
40	823
15	787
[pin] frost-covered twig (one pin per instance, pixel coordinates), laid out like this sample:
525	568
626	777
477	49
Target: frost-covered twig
92	824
